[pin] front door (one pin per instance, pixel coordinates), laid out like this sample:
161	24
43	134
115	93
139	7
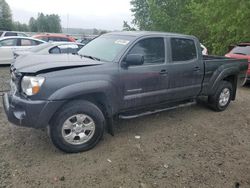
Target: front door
145	84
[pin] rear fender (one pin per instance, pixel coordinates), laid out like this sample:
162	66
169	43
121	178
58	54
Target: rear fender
229	74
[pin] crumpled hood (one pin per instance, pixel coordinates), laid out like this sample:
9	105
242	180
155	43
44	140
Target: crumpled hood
42	63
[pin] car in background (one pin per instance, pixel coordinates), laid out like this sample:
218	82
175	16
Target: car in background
241	51
54	37
10	44
12	34
204	50
85	40
52	48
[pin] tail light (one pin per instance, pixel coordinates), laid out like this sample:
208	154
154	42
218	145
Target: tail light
248	71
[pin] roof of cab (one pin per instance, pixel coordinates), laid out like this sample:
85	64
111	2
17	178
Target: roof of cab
145	33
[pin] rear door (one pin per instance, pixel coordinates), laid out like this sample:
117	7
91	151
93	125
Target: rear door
145	84
186	70
24	44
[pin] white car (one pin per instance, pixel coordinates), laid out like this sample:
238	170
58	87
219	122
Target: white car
10	44
12	34
52	48
204	50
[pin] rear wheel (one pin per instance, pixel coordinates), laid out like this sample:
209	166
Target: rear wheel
222	97
77	127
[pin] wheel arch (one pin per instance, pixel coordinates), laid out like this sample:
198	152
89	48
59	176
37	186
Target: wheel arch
229	75
100	99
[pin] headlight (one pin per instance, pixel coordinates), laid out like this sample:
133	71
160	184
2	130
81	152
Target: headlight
31	84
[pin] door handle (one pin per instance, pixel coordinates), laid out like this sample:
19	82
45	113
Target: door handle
163	72
197	69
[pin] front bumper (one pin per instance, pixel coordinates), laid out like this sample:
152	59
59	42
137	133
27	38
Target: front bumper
27	113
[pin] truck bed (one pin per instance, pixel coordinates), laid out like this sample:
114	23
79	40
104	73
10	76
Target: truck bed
214	57
214	65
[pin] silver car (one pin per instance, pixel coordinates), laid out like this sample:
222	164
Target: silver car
10	44
12	34
52	48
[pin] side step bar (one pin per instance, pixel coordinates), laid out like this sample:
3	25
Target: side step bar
156	111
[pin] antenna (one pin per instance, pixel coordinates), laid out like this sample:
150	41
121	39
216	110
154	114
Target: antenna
67	24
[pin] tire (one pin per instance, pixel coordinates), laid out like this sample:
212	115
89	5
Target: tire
214	100
64	130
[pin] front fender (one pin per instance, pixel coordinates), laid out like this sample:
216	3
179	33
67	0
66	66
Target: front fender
74	90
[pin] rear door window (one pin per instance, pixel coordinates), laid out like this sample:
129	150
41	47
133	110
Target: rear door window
27	42
183	49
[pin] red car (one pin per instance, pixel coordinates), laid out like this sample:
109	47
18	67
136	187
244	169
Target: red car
54	37
241	51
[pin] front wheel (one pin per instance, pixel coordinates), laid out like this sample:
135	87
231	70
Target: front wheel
222	97
77	127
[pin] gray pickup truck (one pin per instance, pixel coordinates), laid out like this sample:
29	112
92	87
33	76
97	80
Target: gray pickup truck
123	74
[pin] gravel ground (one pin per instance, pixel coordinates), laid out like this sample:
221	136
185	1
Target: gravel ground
187	147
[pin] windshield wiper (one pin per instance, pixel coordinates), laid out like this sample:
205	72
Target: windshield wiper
91	57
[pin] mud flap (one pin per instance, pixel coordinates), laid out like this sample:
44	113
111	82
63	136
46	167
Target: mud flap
110	126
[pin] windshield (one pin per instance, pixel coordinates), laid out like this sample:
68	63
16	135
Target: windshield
40	47
105	48
244	50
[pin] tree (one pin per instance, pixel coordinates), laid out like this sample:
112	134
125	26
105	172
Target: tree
53	23
5	16
45	23
33	25
42	25
17	26
127	27
216	23
95	31
141	13
224	22
103	32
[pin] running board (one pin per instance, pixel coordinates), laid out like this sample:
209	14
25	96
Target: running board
156	111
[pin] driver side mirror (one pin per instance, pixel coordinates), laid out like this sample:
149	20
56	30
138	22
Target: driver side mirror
134	59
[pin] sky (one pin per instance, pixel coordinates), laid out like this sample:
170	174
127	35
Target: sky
87	14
